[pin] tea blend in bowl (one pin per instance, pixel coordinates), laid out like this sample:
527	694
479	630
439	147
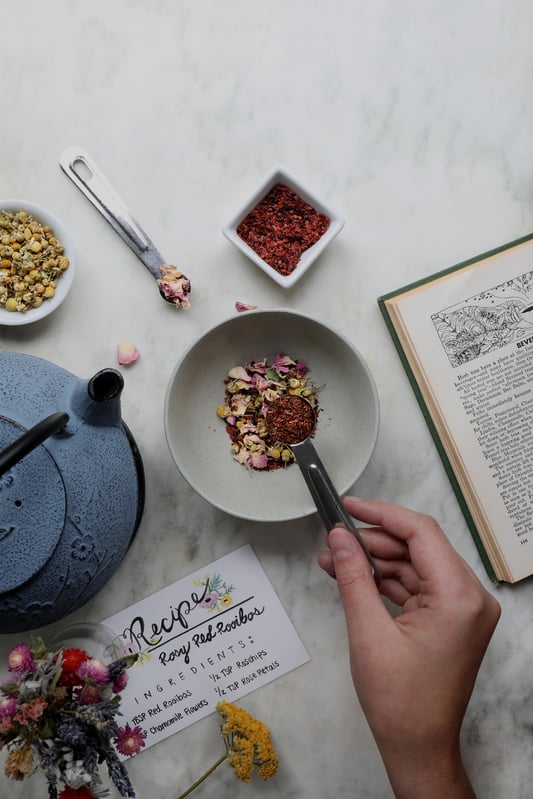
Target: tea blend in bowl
250	391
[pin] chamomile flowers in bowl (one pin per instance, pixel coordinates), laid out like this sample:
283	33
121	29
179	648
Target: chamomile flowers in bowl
36	267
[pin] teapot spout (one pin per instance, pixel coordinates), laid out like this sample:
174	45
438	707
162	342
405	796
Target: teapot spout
97	400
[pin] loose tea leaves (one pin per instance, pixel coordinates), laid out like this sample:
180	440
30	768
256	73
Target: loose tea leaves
281	227
250	391
290	419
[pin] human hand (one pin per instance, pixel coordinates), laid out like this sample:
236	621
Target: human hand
414	673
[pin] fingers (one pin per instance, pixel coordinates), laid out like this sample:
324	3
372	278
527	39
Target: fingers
429	550
383	545
399	580
366	616
325	561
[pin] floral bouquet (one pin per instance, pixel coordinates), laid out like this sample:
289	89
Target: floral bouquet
58	713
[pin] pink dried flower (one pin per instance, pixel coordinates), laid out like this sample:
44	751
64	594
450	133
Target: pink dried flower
258	460
8	705
120	682
174	286
243	306
6	724
127	353
31	711
20	659
129	741
94	670
88	694
282	363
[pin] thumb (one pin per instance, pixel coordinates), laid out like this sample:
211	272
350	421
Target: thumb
366	616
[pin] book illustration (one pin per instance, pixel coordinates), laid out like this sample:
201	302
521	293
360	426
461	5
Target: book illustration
487	321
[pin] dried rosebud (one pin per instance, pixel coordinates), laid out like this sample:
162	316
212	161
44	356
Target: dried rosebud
174	286
127	353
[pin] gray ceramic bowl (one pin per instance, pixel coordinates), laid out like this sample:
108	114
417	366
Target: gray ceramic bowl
197	438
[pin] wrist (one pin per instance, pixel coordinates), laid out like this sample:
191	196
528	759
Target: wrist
439	775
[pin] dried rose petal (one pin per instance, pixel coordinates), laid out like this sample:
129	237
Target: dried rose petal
175	286
127	353
282	363
258	460
243	306
239	373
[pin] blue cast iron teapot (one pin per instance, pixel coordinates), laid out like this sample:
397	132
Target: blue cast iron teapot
71	489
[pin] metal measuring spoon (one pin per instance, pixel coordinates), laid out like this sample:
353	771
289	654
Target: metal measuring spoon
291	419
77	164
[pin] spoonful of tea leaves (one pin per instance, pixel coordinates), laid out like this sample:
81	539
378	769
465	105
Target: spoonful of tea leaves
291	419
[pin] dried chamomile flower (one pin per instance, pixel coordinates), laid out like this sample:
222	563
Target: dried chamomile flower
32	260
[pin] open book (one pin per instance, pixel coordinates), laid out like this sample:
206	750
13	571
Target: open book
465	338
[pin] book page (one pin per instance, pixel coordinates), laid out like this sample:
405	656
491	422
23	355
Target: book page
468	336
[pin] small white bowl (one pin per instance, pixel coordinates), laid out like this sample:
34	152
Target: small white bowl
13	318
199	442
280	175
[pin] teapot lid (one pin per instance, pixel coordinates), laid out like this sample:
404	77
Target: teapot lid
32	511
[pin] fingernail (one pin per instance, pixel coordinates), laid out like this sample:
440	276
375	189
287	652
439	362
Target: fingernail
341	543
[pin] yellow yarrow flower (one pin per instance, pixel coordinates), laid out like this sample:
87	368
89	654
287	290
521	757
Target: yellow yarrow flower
247	743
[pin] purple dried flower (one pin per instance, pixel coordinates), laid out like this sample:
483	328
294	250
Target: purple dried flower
8	705
120	682
20	659
94	670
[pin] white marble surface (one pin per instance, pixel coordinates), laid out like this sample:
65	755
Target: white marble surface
414	120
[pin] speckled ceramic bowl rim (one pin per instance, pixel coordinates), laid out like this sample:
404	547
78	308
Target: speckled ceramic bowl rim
15	318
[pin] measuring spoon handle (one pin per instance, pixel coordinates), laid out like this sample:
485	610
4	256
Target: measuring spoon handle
328	502
78	165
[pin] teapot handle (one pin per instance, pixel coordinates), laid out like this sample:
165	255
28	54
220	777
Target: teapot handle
31	439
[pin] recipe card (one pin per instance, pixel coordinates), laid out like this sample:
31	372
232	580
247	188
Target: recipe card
213	636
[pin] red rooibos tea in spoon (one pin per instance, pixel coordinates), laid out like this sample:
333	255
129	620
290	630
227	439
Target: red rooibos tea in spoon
291	419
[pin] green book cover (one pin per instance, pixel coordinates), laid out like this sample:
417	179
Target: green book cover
386	303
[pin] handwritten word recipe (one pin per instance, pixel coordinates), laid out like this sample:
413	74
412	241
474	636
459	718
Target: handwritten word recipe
218	634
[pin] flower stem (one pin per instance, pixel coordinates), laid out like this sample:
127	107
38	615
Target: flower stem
204	776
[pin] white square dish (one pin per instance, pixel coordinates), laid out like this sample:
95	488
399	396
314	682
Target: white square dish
280	176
